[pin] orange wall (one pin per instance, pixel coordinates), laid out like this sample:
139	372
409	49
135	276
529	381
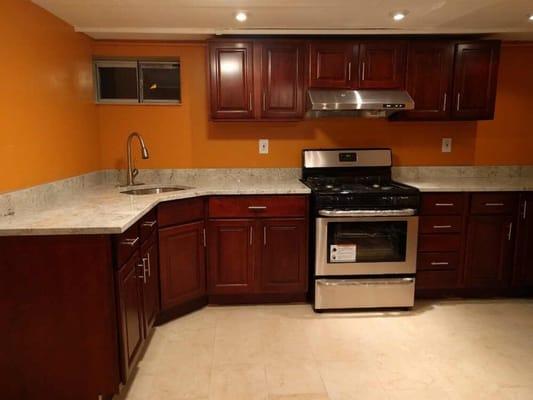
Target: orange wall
181	136
48	128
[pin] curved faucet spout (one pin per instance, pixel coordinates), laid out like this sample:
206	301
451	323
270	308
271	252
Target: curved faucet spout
132	171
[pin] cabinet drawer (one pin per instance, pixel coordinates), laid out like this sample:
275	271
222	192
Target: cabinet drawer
437	279
439	243
437	261
126	244
257	206
180	212
442	204
493	203
440	224
147	225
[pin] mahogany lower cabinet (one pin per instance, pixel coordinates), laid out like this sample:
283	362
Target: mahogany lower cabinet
523	276
489	251
150	262
130	313
182	254
262	256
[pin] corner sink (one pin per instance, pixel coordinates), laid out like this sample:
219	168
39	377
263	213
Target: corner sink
155	190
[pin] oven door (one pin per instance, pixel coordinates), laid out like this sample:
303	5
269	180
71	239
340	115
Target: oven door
370	245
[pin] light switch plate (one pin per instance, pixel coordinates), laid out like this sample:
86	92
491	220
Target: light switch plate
446	145
263	146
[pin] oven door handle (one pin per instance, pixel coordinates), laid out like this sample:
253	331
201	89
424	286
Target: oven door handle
365	282
406	212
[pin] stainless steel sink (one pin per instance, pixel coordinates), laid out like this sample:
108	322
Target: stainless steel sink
155	190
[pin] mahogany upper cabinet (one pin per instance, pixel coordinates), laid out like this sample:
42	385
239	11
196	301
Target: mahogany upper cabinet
476	71
282	72
231	80
429	79
332	64
382	64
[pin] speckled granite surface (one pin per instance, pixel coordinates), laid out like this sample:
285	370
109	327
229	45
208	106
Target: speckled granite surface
94	205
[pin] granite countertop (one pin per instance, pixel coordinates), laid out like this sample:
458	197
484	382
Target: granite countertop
102	209
471	184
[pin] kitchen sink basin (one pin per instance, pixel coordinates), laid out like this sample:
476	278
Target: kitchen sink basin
155	190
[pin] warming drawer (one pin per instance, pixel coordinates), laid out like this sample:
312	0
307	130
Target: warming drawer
364	293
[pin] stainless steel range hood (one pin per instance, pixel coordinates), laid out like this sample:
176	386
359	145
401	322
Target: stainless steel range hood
357	103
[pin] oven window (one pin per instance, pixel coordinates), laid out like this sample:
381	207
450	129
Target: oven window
364	242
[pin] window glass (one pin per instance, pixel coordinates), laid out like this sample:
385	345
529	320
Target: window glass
160	82
117	80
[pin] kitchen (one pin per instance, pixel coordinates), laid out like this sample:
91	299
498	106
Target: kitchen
274	152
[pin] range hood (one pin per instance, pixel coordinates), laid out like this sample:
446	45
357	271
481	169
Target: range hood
357	103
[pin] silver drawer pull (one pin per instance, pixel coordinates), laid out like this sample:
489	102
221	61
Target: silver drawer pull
149	224
440	263
130	242
444	204
442	227
494	204
143	276
257	207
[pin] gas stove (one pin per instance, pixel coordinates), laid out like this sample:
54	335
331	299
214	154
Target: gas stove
365	230
350	180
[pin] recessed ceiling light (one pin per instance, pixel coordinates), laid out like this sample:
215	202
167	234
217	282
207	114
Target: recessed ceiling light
398	16
241	16
531	17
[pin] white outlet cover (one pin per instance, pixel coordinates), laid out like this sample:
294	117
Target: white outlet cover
263	146
446	145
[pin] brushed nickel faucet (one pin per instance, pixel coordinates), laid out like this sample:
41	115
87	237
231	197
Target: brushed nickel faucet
132	171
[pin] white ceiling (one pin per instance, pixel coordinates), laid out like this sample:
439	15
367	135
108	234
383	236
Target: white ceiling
179	19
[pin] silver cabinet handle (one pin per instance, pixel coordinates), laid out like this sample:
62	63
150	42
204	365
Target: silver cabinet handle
149	264
444	204
349	71
264	101
264	235
251	235
494	204
442	226
205	238
524	210
250	102
363	71
143	276
149	224
130	242
510	233
458	101
440	263
257	207
445	101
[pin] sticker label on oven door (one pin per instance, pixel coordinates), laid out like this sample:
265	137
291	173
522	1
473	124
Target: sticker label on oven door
342	253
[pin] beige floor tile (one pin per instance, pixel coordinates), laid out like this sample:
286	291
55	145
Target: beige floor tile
286	377
238	382
298	397
184	382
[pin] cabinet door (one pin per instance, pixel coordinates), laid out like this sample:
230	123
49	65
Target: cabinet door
283	267
282	75
429	79
476	71
382	64
332	64
523	276
231	261
151	282
489	252
130	313
182	263
231	80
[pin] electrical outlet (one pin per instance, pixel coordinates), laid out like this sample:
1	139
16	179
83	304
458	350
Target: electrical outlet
446	145
263	146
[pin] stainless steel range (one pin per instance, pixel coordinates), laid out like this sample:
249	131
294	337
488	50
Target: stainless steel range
365	231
